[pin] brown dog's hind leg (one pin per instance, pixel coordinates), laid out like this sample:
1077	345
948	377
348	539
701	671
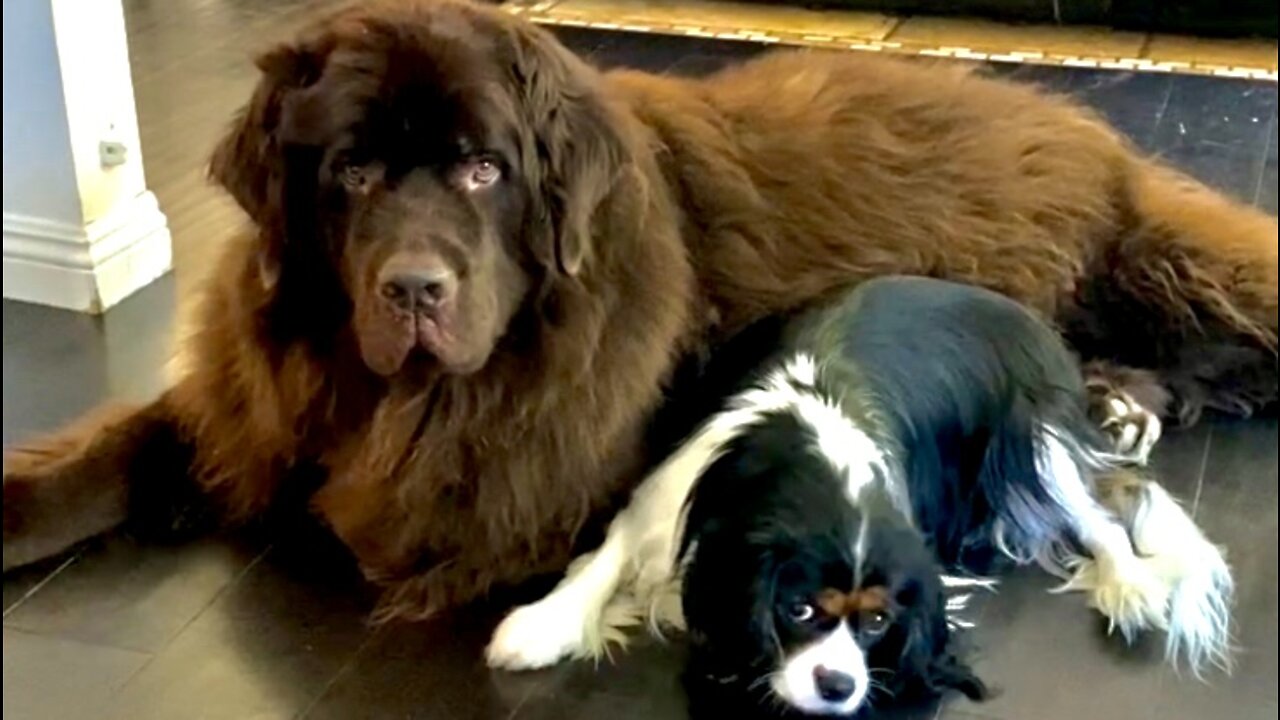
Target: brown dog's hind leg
1189	290
112	466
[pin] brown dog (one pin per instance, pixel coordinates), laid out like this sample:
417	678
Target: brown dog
476	260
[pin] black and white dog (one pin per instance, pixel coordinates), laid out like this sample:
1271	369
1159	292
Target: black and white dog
914	428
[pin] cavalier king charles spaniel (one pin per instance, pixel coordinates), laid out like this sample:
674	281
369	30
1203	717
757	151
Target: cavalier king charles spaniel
818	532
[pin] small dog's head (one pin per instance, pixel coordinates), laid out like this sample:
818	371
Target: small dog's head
793	594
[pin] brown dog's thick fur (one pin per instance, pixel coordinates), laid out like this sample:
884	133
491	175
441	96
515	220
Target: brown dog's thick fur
657	216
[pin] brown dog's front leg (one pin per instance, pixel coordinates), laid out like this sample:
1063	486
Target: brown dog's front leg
113	465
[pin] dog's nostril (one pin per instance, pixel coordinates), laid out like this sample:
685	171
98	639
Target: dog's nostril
410	290
435	291
392	291
833	685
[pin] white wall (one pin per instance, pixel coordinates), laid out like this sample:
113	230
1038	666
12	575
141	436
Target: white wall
77	233
39	175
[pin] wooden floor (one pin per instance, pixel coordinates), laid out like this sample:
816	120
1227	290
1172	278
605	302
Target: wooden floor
233	628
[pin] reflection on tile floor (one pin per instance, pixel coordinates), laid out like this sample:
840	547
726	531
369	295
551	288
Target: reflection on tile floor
225	628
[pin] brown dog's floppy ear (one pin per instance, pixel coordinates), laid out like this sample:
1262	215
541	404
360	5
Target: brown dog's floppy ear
249	158
575	153
249	154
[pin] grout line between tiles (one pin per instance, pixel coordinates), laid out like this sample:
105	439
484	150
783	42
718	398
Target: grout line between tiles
340	673
195	616
38	586
1164	107
1266	150
1204	465
520	705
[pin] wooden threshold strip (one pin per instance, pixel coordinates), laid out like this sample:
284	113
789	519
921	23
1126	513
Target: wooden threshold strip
937	37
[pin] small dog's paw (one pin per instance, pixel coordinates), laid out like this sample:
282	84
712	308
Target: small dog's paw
1133	429
1134	606
536	636
1132	595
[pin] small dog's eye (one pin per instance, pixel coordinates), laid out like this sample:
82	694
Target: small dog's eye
874	622
800	612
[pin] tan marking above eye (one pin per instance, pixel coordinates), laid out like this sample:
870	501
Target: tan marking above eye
836	603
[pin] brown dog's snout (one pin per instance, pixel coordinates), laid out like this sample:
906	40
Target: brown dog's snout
417	284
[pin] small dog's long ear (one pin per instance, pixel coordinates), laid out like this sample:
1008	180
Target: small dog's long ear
949	673
929	662
573	151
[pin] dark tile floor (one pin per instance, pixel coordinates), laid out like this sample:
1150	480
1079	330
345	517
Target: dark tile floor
224	628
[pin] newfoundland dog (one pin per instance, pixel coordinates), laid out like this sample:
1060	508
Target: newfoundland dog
475	261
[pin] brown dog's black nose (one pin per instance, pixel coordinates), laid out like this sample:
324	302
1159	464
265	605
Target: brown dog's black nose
419	289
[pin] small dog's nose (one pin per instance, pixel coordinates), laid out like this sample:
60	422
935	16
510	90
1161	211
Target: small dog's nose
419	289
833	685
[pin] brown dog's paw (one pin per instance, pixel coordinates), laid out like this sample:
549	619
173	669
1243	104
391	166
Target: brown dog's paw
19	506
27	470
25	462
51	505
1134	430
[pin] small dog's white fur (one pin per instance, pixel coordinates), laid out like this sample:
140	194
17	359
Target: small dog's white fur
838	651
1149	566
633	575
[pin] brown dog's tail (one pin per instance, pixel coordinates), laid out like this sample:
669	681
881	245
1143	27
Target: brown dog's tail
1189	290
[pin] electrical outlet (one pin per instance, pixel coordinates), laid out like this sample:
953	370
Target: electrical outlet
112	153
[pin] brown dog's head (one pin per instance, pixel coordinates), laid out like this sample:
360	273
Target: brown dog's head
423	171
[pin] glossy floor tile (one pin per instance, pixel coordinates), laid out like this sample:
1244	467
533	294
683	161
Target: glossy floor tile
250	627
1219	130
119	594
1265	197
115	355
267	647
48	678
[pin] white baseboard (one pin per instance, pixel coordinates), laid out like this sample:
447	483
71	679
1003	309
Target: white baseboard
87	269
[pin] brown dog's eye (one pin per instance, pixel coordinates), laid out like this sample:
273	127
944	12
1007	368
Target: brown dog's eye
478	173
354	178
